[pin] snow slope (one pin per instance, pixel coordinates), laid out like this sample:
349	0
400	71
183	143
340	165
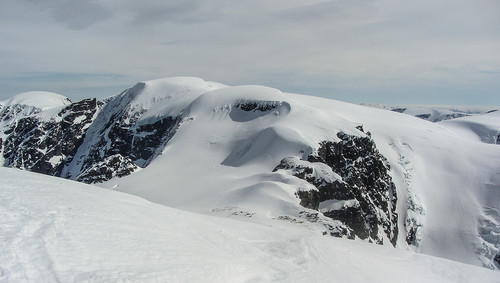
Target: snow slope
222	159
54	230
436	113
484	128
39	99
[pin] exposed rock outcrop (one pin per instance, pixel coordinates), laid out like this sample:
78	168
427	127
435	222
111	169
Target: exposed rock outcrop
88	141
121	139
45	146
353	186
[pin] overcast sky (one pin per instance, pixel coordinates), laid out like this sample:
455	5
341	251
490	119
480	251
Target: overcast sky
381	51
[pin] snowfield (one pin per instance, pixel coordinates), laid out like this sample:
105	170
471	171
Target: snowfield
54	230
39	99
448	183
437	113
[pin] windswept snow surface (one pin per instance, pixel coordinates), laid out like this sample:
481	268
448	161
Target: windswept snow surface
220	162
170	95
484	128
54	230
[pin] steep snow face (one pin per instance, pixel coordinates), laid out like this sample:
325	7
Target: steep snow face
58	230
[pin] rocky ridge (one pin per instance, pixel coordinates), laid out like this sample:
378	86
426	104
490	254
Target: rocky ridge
352	185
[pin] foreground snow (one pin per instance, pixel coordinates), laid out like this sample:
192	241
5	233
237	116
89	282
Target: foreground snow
53	230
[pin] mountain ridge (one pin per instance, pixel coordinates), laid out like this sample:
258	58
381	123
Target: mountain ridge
215	149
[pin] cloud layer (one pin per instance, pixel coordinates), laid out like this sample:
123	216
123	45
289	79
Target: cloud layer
439	51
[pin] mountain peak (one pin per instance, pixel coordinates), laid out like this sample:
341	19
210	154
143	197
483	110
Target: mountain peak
39	99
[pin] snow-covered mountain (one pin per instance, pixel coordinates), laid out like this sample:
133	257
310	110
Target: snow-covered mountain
255	154
437	113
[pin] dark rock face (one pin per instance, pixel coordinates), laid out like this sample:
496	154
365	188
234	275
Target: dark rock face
254	106
87	141
45	146
423	116
131	144
427	116
11	111
399	110
112	166
451	116
119	141
363	197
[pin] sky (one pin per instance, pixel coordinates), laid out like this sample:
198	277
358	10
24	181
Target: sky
361	51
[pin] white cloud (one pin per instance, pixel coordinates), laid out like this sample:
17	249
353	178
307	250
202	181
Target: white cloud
363	46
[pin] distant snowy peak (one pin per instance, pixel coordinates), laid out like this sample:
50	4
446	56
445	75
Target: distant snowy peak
436	113
485	128
39	99
30	103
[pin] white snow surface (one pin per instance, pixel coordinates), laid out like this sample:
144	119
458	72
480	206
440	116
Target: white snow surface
42	100
485	128
170	95
436	113
55	230
223	157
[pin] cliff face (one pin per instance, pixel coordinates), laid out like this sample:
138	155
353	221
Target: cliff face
35	143
52	141
119	142
361	195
